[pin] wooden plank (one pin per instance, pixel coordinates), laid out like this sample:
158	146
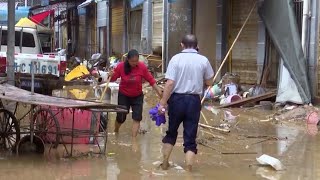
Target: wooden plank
12	93
250	100
214	128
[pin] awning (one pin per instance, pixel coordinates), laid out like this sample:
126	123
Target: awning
27	23
85	3
38	18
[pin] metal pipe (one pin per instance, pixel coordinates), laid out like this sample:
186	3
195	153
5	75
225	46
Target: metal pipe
305	22
146	29
32	123
59	40
165	35
72	132
88	33
125	45
33	64
108	29
150	25
0	37
11	42
21	39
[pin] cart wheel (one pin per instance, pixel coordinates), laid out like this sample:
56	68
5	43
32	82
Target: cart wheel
47	126
25	146
9	130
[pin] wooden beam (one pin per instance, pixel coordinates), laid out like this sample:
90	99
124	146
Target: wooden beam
12	93
250	100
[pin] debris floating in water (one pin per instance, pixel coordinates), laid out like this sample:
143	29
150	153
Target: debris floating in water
268	160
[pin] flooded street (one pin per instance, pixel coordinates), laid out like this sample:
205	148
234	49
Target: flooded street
62	63
222	155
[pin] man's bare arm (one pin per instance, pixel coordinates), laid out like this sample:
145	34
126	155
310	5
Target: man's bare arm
209	82
167	92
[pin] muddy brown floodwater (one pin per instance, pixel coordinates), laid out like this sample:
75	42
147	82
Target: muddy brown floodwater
224	156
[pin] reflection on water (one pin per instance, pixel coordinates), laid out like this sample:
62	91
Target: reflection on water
299	152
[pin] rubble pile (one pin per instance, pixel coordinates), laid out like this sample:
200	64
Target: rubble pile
230	90
298	113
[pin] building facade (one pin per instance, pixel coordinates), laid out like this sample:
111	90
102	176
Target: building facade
217	23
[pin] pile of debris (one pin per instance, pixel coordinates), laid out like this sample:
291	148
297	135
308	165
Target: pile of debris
229	92
96	68
307	113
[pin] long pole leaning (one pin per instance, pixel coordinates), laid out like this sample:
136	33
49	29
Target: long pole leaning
230	49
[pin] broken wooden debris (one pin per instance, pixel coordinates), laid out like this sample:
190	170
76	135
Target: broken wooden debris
239	103
260	141
265	136
230	153
214	128
204	142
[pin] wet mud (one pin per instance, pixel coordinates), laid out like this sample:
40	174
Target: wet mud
222	155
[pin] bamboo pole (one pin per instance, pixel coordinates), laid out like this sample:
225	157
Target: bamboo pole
204	118
105	89
229	51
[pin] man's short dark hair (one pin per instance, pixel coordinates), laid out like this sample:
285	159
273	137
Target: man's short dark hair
190	41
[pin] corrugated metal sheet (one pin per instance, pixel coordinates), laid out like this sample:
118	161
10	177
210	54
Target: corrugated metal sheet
117	20
157	23
102	11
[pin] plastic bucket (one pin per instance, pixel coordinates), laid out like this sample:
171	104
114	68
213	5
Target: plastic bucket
233	98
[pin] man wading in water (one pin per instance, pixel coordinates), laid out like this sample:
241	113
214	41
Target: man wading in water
186	74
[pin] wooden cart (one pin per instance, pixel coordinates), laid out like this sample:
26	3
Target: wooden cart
43	127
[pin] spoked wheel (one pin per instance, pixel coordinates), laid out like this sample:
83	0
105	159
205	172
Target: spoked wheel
9	130
47	126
